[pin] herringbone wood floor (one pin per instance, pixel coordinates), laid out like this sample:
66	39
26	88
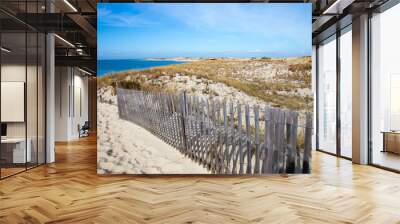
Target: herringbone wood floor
69	191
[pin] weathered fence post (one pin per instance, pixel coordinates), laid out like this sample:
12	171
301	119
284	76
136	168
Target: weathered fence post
240	135
233	141
292	143
280	137
257	140
307	144
248	140
183	122
225	145
270	139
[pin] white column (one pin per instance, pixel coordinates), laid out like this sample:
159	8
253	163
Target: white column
360	90
314	90
50	100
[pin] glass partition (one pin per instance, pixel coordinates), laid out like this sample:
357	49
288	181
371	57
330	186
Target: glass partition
327	95
13	94
346	92
385	89
22	88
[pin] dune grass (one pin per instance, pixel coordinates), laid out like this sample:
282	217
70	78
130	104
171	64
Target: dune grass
277	81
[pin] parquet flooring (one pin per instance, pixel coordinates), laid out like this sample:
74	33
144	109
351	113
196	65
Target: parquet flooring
70	191
10	171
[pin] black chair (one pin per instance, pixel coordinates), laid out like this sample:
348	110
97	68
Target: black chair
84	130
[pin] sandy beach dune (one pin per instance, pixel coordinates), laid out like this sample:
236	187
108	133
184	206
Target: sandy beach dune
126	148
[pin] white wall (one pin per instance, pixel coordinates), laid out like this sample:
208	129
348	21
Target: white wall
80	89
70	83
33	126
12	73
13	101
62	82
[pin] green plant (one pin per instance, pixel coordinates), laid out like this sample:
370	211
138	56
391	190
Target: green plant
279	91
300	67
130	84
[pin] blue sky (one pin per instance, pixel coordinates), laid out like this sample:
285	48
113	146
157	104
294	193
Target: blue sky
142	30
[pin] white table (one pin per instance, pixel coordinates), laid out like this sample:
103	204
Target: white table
19	154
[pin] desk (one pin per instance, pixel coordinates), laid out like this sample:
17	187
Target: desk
17	150
391	141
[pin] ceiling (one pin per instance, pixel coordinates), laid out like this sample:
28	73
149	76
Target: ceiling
332	15
75	22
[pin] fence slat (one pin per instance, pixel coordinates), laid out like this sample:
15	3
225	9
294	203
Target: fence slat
292	143
240	136
248	140
224	158
257	141
232	141
307	144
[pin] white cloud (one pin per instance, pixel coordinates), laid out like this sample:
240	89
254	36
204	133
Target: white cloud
118	19
270	20
235	18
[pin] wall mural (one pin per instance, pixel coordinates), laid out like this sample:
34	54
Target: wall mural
204	88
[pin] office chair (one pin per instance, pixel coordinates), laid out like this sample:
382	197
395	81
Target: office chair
84	130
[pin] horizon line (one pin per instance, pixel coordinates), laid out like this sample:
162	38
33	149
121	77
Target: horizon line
201	57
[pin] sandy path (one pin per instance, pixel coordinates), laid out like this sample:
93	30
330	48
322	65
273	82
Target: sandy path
126	148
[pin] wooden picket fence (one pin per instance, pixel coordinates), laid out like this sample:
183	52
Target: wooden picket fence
220	135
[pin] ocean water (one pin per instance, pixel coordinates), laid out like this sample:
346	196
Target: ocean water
108	66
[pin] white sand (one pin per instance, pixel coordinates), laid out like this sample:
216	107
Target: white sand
126	148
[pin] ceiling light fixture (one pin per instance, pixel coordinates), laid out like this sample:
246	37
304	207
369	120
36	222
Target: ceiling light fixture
337	7
70	5
79	51
5	50
86	72
65	41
